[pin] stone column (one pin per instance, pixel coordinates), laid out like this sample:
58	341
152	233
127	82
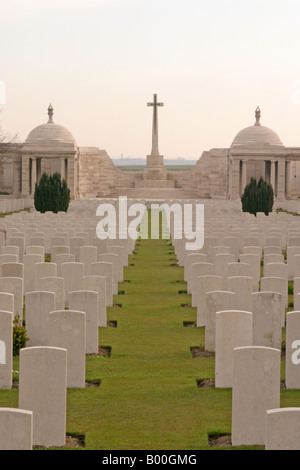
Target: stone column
33	174
281	180
243	176
235	179
17	176
263	170
288	179
62	168
272	175
66	169
38	169
25	176
71	176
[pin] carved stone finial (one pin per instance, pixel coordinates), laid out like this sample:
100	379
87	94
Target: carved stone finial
257	116
50	113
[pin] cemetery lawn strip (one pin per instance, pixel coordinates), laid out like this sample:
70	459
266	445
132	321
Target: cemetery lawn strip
148	398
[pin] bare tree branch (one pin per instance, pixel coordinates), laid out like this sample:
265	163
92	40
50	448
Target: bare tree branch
6	140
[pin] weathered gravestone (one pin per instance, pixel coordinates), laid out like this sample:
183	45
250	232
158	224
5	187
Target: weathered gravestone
37	305
15	286
29	261
87	301
71	272
97	284
67	330
56	285
7	301
255	389
87	256
105	269
242	286
205	284
113	259
6	348
292	352
216	302
42	390
16	429
44	269
276	284
233	330
267	319
282	429
198	270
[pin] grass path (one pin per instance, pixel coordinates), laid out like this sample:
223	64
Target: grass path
148	397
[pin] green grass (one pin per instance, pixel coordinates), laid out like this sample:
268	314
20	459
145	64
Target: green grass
148	398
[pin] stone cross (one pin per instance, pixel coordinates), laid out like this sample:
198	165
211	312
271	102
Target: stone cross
154	150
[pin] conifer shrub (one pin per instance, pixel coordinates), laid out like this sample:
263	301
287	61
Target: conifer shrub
51	194
258	197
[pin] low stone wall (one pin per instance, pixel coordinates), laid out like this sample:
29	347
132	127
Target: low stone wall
11	204
292	205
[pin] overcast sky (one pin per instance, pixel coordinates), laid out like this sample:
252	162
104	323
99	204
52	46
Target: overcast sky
100	61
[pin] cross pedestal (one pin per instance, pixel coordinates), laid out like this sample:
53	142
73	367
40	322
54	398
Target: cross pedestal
155	169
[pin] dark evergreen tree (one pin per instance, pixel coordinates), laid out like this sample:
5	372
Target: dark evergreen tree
51	194
258	197
65	196
42	194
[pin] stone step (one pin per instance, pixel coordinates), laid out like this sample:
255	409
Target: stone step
154	193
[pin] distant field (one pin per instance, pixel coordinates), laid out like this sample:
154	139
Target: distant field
168	167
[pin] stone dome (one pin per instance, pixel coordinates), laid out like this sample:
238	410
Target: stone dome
50	132
256	136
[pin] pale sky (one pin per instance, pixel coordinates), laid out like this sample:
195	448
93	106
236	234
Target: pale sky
100	61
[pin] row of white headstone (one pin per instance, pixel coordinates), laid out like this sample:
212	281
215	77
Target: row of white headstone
243	313
66	302
228	324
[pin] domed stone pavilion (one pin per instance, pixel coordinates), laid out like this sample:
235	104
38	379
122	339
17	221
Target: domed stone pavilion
257	151
49	148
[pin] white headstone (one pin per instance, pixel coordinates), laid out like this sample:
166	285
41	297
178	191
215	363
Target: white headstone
29	272
37	305
6	348
292	352
56	285
216	302
7	301
44	269
276	284
242	286
105	269
256	389
267	319
206	284
42	390
97	284
87	301
87	256
282	429
67	329
233	330
16	429
15	286
199	270
71	272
